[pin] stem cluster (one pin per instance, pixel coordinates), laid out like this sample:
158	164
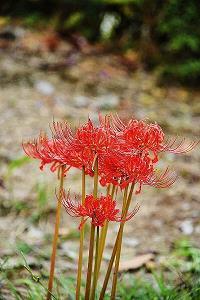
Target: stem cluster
96	243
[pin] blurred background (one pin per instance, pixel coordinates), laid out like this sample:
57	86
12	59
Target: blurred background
68	59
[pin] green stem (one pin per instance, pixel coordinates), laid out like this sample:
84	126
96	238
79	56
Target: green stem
117	241
95	278
55	238
92	237
80	258
103	236
90	263
118	250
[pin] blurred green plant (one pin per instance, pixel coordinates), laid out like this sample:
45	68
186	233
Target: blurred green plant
165	33
180	283
42	206
180	29
191	256
17	163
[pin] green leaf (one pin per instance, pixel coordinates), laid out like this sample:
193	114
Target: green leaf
17	163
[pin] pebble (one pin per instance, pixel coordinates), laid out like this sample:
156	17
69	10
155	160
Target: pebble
81	101
108	101
44	87
187	227
131	242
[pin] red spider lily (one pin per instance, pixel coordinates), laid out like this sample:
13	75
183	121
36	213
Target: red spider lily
98	210
81	148
66	148
141	137
45	150
40	148
96	138
84	158
124	150
152	137
65	142
124	169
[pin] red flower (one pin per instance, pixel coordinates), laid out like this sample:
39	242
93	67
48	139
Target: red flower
98	210
46	151
142	136
139	134
139	137
124	150
98	139
40	148
81	148
126	168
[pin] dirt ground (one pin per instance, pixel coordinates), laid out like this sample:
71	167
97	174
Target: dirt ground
38	85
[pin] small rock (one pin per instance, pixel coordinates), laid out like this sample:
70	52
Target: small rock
35	235
187	227
81	101
186	206
108	101
131	242
197	229
68	251
45	87
157	223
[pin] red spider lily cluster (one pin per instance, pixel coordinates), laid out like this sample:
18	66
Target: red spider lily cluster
120	156
127	152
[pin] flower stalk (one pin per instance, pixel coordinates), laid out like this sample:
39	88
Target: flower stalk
103	235
126	204
80	258
119	244
56	232
95	275
100	245
92	237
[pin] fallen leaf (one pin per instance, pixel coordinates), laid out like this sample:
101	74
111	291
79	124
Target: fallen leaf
136	262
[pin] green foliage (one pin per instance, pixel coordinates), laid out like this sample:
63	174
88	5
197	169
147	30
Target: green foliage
159	285
181	283
180	29
184	250
42	195
166	33
17	163
23	247
32	19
